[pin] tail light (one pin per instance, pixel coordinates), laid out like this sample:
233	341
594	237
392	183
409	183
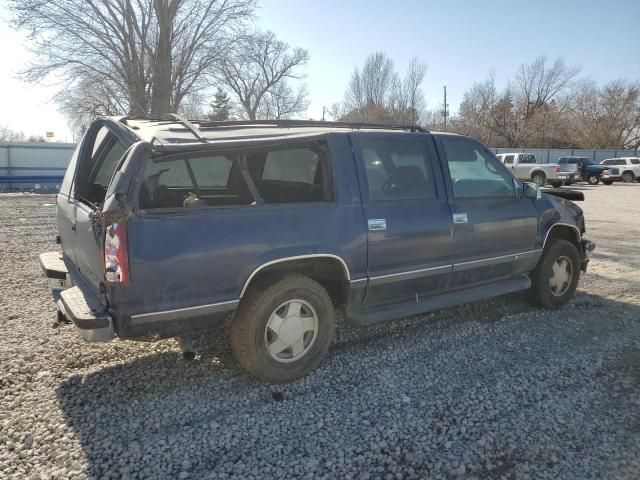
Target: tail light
116	259
557	168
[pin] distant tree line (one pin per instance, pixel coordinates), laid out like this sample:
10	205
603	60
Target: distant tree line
205	58
547	105
9	135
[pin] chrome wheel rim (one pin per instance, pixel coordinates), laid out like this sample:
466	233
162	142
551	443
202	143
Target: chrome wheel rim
291	331
539	180
627	177
560	276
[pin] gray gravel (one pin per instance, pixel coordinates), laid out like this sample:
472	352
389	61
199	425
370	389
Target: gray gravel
490	390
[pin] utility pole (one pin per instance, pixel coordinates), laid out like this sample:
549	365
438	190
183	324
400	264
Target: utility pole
323	109
445	108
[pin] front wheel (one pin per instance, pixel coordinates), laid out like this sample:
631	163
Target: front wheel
555	278
282	330
539	179
593	179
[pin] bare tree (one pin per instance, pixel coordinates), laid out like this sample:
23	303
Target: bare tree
150	53
258	72
282	101
8	135
378	94
607	117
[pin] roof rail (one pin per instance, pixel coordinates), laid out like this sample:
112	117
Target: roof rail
306	123
190	126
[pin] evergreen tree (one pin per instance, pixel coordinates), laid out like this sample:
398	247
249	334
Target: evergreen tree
221	110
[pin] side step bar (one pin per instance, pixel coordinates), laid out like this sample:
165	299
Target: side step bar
364	316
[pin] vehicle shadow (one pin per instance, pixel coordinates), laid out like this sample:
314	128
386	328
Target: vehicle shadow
125	414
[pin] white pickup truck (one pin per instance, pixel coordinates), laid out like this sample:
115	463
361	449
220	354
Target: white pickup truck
525	167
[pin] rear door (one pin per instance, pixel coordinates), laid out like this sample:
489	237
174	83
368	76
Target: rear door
102	149
494	228
408	218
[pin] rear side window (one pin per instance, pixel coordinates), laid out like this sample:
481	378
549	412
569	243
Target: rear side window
527	159
397	168
635	161
508	159
260	176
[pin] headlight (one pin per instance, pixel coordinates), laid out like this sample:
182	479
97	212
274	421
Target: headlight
605	172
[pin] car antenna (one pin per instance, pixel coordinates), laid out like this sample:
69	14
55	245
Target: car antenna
190	126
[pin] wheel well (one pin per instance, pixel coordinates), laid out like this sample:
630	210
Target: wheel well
628	171
327	271
563	232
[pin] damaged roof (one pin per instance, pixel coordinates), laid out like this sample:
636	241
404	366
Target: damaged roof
178	131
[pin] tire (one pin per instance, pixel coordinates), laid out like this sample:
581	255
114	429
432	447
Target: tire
593	179
547	293
556	183
567	183
628	177
539	179
607	182
261	313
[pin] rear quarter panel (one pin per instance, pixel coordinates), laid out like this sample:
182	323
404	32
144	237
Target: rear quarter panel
195	257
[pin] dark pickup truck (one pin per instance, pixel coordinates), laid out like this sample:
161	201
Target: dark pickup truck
589	171
270	229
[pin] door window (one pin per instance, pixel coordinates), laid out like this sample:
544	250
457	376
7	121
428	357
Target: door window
508	159
635	161
474	172
397	168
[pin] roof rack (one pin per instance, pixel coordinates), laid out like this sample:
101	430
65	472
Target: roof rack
306	123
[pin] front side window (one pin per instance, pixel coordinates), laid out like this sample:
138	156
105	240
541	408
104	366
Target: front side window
527	159
474	172
397	168
608	162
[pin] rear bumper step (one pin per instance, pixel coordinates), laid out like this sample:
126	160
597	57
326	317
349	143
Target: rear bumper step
87	314
56	272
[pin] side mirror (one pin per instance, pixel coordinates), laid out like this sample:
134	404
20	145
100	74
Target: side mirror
532	191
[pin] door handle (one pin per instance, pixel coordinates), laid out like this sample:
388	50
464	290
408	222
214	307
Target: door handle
73	225
376	224
460	218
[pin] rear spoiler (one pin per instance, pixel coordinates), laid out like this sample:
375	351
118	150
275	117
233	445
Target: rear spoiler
573	195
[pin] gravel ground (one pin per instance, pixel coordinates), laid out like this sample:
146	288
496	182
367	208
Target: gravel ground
490	390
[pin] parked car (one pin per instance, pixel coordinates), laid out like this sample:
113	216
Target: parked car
169	228
628	166
525	167
588	170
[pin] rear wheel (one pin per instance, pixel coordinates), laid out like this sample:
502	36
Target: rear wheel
607	182
555	278
539	179
593	179
282	330
628	177
556	183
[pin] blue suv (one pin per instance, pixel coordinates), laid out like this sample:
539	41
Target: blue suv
268	229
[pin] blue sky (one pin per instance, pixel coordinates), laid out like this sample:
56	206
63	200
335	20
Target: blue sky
460	41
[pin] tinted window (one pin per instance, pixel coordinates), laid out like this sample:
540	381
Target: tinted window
114	152
296	165
474	172
397	168
292	175
608	162
635	161
211	171
527	159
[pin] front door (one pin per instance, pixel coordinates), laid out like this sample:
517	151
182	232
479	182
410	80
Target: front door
409	222
494	227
